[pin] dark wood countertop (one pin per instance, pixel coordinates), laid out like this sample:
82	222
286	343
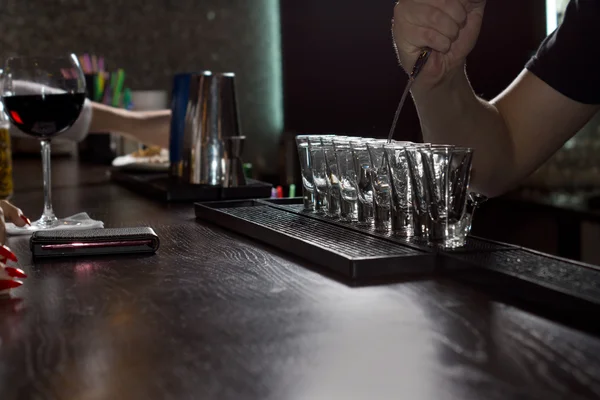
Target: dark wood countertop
216	316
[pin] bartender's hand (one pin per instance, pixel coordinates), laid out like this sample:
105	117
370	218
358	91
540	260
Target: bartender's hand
449	27
10	213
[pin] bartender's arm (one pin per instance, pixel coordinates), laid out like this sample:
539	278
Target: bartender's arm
149	127
514	133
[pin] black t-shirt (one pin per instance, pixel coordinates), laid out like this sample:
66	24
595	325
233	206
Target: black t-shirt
569	59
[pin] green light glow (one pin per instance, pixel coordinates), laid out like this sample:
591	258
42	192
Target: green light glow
275	65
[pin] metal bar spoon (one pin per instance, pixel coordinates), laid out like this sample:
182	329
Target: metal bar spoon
421	60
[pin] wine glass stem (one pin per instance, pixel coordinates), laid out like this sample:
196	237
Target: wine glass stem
48	218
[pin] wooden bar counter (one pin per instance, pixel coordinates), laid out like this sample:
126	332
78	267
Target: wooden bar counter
214	315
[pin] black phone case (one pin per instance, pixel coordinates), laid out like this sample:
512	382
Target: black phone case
72	243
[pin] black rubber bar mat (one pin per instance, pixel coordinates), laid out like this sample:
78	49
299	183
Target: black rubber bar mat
359	252
474	244
352	254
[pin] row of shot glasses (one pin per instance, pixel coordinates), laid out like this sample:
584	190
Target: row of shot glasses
413	190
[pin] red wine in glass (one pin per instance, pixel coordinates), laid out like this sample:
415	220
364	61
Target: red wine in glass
43	97
44	116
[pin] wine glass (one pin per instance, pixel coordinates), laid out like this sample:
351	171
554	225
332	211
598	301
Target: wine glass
43	97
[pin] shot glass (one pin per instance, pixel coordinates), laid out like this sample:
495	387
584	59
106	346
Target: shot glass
348	183
448	172
420	194
308	188
382	187
319	172
362	166
302	142
461	202
402	191
332	179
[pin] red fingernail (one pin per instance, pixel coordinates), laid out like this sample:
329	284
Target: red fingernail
24	218
9	284
6	253
15	272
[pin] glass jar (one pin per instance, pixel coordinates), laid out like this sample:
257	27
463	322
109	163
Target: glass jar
6	173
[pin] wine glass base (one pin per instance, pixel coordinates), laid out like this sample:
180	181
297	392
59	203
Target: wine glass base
40	225
56	224
78	221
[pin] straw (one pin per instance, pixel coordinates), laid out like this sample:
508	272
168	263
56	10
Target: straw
99	86
87	64
109	91
118	87
127	99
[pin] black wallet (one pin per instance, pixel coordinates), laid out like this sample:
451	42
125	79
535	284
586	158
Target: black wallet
70	243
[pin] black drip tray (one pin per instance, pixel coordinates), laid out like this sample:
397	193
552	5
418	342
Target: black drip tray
336	248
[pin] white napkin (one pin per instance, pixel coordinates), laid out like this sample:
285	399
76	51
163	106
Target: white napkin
76	222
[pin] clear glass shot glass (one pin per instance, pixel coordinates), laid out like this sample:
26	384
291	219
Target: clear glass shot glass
348	183
333	195
447	170
302	143
362	166
420	194
402	191
382	187
308	187
319	172
461	204
435	164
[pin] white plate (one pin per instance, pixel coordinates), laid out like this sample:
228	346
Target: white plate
157	163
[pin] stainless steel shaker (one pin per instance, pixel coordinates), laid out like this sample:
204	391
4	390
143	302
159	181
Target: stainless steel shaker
180	153
211	119
234	169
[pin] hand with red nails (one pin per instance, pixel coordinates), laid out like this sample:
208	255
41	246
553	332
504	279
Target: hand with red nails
9	275
10	213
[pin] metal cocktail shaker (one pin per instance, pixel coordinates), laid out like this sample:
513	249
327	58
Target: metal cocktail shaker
204	119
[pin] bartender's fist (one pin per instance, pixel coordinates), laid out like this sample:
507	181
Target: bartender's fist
449	27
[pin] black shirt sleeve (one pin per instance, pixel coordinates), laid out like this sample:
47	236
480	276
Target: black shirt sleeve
569	59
